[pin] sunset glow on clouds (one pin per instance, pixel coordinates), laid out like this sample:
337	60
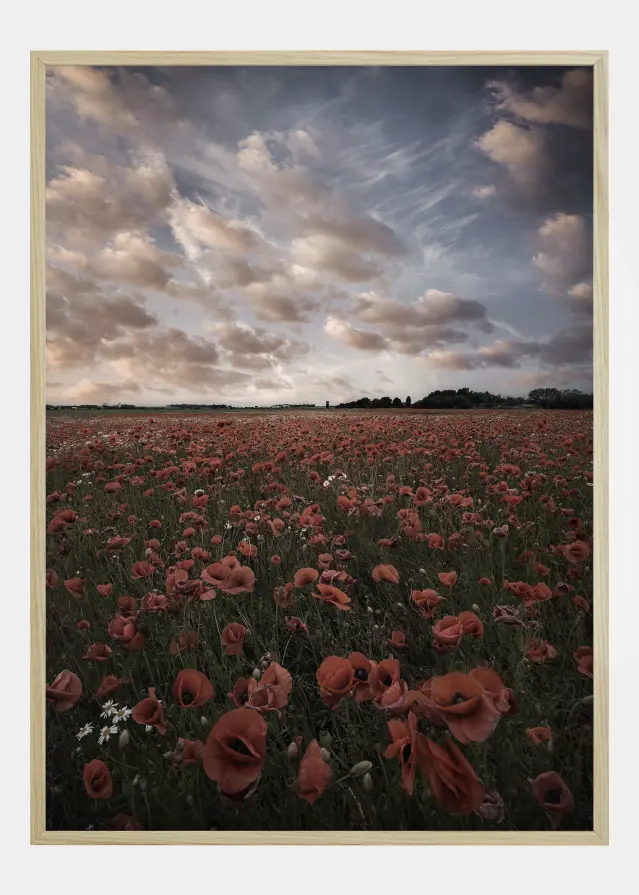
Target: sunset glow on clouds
283	235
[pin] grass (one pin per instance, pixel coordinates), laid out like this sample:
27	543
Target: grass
461	452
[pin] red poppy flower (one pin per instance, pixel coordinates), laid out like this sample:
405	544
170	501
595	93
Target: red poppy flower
426	601
187	753
154	603
233	638
97	780
110	683
240	693
385	572
576	552
507	615
314	774
294	624
464	704
334	596
124	822
405	744
305	576
150	711
64	692
553	795
142	570
335	677
539	651
538	735
451	777
448	631
398	640
105	590
192	688
75	586
240	580
98	652
471	624
235	751
448	579
584	658
272	691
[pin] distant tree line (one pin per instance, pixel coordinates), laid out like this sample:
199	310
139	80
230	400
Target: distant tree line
465	398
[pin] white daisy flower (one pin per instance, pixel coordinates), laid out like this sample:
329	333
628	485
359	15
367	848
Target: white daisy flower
84	731
148	728
105	733
121	714
108	708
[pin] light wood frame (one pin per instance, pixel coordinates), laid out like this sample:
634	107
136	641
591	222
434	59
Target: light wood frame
598	60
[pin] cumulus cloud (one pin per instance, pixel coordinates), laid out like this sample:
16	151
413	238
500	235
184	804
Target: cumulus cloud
570	347
565	255
520	150
570	103
119	100
197	226
328	253
107	197
343	332
256	348
434	319
89	392
135	258
81	319
277	301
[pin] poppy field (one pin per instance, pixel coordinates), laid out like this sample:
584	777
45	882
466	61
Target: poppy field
319	621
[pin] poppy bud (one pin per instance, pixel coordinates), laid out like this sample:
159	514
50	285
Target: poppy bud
204	721
325	739
189	800
422	571
326	755
369	609
475	608
142	784
293	751
367	783
362	767
124	739
257	674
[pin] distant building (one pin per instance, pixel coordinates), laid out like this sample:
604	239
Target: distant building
327	405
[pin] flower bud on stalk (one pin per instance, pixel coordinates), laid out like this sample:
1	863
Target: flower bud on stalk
361	768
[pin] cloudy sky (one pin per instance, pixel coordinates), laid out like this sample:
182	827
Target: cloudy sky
281	235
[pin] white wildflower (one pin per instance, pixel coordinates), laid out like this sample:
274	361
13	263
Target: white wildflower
84	731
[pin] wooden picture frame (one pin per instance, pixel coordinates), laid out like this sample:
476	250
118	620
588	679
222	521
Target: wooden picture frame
599	62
